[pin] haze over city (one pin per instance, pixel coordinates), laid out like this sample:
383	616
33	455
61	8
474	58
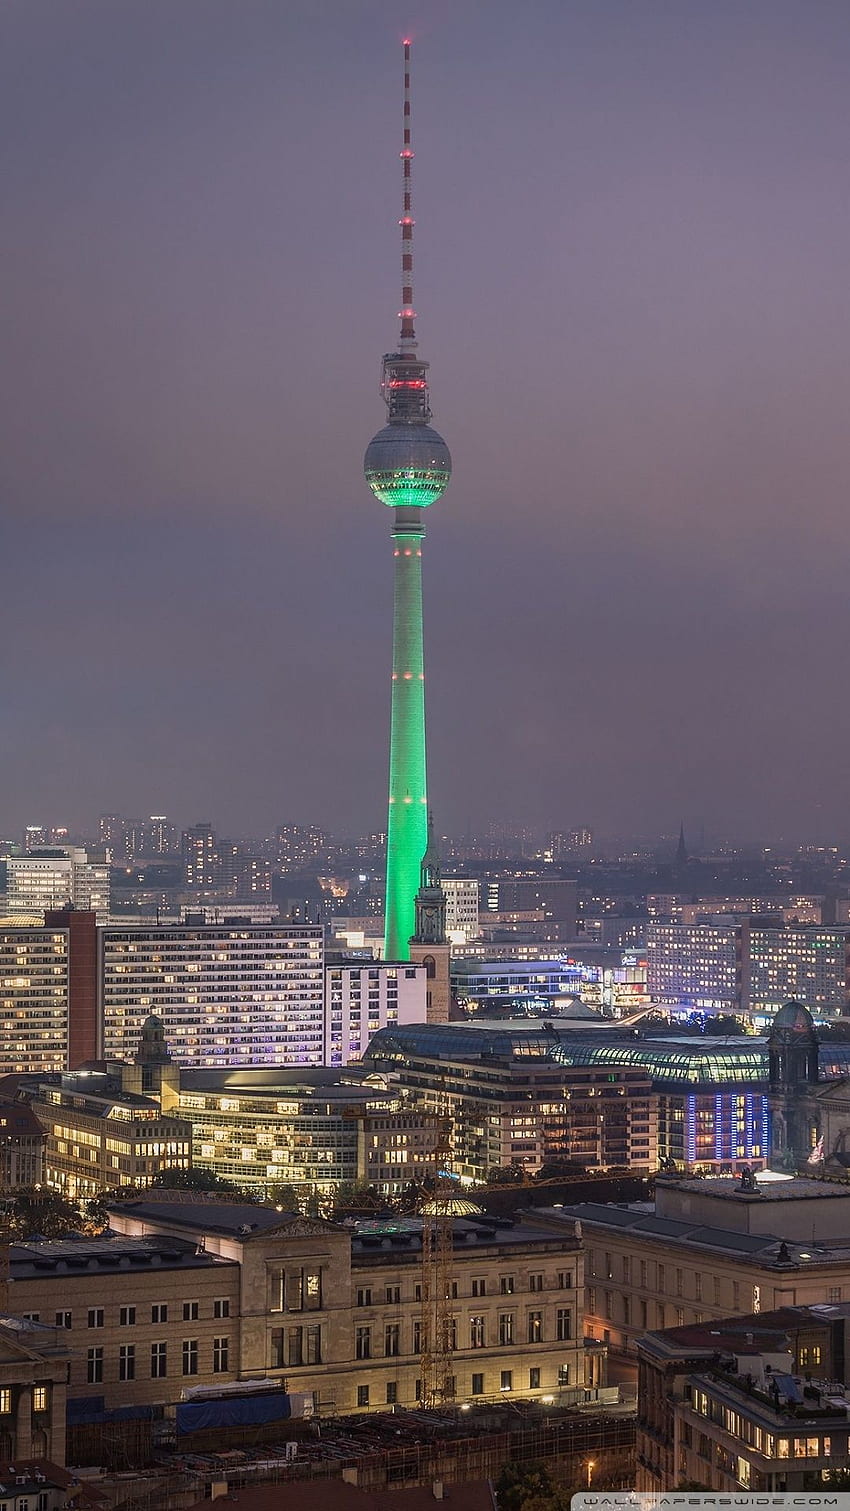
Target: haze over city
632	240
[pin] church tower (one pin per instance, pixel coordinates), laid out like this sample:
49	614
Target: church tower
429	946
793	1070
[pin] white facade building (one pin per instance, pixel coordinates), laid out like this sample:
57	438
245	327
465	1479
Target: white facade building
54	877
462	903
362	996
227	994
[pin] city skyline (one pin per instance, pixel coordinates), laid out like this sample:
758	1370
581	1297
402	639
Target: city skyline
635	238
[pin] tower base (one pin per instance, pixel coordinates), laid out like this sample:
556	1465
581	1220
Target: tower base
437	961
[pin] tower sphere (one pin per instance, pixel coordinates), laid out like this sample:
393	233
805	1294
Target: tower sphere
407	465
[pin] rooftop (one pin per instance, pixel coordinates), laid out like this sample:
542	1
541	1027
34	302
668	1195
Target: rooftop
798	1188
111	1251
763	1249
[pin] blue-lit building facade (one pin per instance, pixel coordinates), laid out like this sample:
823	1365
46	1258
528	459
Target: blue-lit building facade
532	1092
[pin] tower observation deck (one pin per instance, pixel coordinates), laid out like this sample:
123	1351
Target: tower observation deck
407	467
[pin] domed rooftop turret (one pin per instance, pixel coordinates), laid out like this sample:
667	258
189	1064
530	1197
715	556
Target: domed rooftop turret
793	1022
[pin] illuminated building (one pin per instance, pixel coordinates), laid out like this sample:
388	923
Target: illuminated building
744	1405
299	846
226	993
462	903
515	1097
201	860
700	966
264	1128
57	877
22	1144
34	998
407	466
101	1136
533	1091
363	996
336	1311
709	1250
748	967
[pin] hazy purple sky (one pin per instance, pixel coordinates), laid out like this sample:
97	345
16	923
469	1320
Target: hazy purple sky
633	242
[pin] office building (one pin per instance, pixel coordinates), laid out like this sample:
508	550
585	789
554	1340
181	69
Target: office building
462	904
513	1097
307	1129
749	1404
747	967
100	1136
201	859
57	877
408	467
362	997
226	993
553	898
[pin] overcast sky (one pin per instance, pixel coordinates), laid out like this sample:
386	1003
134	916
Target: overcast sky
632	244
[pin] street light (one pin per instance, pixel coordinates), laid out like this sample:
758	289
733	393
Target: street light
590	1468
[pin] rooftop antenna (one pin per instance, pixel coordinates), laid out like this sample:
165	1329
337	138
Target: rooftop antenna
407	314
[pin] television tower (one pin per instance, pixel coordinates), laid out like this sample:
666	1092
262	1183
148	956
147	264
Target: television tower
407	466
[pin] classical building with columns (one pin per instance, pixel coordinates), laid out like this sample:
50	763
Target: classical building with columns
33	1374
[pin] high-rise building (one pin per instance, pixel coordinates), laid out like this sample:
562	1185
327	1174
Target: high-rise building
462	903
226	993
407	466
363	996
743	965
57	876
201	860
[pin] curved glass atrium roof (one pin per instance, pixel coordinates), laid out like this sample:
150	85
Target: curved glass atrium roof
687	1060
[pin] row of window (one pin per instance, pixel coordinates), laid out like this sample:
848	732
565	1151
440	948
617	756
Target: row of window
40	1399
506	1324
128	1316
506	1384
128	1357
507	1287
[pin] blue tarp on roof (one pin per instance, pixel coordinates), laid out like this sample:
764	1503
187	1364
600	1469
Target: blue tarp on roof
233	1411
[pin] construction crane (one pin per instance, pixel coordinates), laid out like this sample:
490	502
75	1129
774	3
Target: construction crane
436	1324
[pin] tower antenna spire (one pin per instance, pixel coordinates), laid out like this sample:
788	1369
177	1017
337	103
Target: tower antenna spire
407	314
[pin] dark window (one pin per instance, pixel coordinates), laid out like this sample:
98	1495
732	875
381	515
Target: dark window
363	1343
362	1395
535	1327
190	1356
190	1311
564	1324
127	1316
159	1361
95	1316
507	1380
94	1366
534	1379
478	1385
127	1361
221	1352
221	1306
392	1335
159	1311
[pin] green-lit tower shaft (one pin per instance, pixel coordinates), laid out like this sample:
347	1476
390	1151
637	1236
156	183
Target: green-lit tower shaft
407	466
407	824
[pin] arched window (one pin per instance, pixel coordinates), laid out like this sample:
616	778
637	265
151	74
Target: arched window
430	965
